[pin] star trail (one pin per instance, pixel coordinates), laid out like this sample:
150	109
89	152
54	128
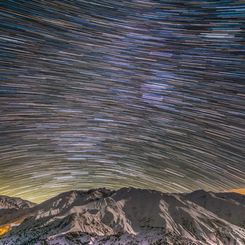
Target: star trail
139	93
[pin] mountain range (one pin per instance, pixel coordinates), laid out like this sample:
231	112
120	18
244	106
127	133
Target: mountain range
125	216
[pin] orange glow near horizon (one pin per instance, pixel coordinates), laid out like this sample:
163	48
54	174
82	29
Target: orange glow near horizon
4	229
7	227
240	191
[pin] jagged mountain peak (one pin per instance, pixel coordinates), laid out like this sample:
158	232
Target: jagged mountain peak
133	214
7	202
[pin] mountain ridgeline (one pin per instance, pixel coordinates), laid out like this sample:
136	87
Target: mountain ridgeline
126	216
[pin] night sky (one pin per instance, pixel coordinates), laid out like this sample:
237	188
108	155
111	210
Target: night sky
112	93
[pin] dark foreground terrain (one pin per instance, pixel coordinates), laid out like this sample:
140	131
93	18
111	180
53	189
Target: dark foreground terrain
125	216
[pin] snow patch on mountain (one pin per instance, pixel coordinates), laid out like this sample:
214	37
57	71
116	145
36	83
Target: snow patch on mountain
133	216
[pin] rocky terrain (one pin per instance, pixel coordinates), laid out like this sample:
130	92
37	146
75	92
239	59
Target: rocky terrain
125	216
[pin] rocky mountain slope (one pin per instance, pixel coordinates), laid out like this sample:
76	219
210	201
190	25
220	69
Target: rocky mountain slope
11	209
14	202
132	216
